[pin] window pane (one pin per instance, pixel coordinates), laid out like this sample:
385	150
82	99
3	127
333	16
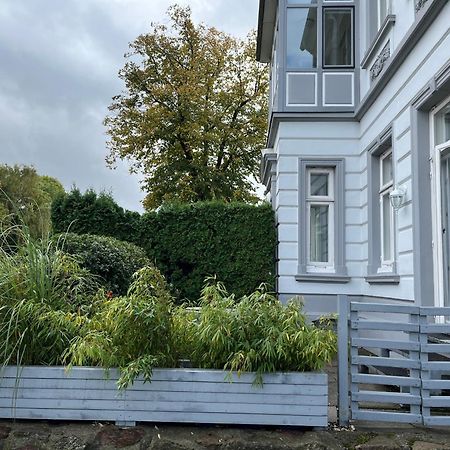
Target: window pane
443	125
387	219
387	170
301	2
301	38
338	40
319	233
319	184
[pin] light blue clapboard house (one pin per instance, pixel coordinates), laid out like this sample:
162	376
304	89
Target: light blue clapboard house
357	165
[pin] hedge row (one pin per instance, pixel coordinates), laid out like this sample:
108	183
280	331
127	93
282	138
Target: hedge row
188	242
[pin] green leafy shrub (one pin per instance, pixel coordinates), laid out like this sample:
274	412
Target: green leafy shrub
112	260
258	334
43	295
133	333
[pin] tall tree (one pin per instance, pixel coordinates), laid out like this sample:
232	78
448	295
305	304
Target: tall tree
193	116
26	197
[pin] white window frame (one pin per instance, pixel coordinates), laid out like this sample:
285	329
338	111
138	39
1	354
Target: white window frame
435	172
386	13
313	200
387	264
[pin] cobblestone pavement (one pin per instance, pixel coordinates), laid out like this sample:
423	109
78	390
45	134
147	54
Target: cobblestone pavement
28	435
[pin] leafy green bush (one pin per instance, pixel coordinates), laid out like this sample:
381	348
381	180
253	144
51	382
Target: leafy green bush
112	260
258	334
43	293
133	333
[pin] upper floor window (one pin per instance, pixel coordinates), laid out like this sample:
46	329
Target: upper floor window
378	11
306	27
301	50
338	37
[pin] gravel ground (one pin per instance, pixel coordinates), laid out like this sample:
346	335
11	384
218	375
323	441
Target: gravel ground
36	435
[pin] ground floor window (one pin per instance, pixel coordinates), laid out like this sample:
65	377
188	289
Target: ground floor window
386	211
321	221
320	218
440	159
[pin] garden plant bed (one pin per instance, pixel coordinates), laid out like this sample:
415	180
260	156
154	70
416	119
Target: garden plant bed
174	395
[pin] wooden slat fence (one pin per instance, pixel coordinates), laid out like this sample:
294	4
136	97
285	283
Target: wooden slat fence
394	363
174	395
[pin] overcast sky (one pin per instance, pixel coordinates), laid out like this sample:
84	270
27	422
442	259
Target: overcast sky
59	61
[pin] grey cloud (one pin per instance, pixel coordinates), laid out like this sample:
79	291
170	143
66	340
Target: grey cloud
58	71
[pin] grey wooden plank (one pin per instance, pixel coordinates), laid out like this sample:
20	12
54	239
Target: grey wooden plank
437	366
387	397
61	414
384	326
437	401
386	362
436	348
186	407
434	311
386	380
385	343
219	418
235	419
384	308
167	396
169	386
438	328
187	375
383	416
436	384
437	421
63	403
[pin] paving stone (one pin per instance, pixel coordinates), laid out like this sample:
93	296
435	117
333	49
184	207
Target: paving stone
384	442
38	431
118	437
4	432
318	440
421	445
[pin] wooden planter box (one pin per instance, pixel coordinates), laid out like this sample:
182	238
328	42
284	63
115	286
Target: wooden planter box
174	395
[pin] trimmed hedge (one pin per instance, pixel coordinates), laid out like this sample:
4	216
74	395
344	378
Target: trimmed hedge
234	241
188	242
92	213
112	260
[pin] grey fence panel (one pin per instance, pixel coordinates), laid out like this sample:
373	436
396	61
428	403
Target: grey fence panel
435	358
399	363
385	363
174	395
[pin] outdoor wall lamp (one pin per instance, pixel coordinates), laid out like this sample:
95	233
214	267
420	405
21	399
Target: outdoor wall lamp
397	197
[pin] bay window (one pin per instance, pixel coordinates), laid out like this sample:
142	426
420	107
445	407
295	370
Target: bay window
338	37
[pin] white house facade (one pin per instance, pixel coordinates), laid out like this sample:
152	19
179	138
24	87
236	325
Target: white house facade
357	165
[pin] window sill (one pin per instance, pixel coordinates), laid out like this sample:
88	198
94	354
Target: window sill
323	277
382	32
383	278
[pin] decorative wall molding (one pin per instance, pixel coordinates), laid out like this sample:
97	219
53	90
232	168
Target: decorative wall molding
420	4
380	61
